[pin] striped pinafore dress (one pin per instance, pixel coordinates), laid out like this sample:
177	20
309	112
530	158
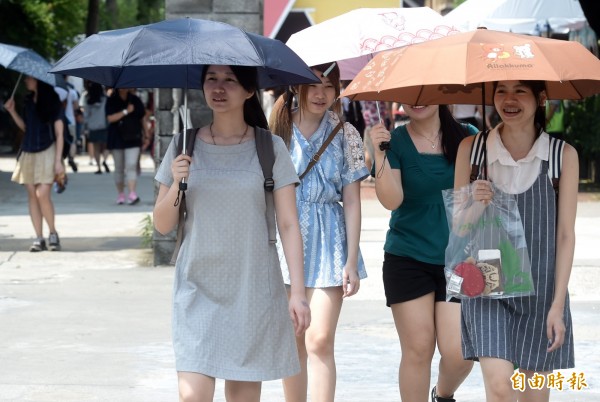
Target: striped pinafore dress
514	329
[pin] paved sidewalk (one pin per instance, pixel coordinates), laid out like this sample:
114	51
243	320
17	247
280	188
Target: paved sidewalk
92	322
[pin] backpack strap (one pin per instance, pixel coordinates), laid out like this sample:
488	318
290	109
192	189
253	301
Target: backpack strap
478	154
266	157
317	155
555	161
189	150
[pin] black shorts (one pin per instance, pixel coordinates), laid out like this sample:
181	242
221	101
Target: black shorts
406	279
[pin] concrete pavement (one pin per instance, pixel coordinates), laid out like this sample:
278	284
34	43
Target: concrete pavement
92	322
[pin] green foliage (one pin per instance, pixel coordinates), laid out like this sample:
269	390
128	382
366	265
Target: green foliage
458	3
47	26
52	27
127	13
583	125
146	231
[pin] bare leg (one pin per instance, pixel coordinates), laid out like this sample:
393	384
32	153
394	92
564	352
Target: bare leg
325	307
453	368
96	147
414	321
242	391
35	213
535	395
44	196
496	379
195	387
295	387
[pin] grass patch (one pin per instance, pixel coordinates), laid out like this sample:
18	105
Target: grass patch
146	231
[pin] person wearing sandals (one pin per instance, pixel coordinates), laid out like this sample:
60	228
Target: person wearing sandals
328	202
125	113
40	159
531	333
409	179
93	102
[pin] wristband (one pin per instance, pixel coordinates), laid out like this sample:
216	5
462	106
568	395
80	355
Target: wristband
125	112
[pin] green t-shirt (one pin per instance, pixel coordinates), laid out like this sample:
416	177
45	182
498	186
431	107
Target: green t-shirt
419	228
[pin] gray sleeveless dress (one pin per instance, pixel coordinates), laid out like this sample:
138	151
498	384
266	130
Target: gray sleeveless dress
230	307
514	329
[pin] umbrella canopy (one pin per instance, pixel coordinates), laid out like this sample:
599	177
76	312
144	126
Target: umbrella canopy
173	53
526	17
28	62
352	38
454	69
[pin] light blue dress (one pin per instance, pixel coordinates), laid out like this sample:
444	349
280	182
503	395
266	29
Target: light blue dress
318	198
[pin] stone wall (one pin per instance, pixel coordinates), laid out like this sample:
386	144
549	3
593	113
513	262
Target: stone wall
246	14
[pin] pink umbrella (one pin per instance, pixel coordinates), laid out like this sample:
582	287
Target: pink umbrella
353	38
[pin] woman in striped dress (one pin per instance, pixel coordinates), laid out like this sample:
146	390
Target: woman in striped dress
533	333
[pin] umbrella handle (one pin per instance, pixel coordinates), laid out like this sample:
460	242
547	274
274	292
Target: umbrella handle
16	86
183	183
383	145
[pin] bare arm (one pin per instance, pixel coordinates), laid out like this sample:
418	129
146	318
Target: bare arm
565	244
115	117
388	182
481	190
9	105
352	217
59	127
291	239
166	214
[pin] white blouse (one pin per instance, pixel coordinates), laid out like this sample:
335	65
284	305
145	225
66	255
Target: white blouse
510	176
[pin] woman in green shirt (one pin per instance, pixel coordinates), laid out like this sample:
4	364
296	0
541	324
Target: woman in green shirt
409	179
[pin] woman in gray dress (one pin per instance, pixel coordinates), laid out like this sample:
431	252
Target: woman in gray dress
533	333
231	316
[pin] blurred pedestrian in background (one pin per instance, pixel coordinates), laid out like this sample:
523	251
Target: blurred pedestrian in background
125	113
40	157
95	123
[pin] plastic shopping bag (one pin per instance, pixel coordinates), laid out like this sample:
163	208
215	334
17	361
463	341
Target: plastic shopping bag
487	252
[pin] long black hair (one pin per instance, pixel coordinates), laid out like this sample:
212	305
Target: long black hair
48	103
248	77
95	92
452	133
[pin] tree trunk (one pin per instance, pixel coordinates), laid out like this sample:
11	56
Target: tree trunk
113	13
91	25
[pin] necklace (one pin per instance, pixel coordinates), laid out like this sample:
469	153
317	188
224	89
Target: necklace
433	142
213	136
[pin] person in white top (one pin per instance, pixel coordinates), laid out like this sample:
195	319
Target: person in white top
532	333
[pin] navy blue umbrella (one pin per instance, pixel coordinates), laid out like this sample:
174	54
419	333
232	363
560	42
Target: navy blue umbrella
172	54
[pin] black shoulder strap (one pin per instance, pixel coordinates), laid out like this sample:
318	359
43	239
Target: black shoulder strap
478	151
189	150
555	161
266	158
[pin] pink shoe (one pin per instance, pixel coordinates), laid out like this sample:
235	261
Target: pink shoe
121	199
133	198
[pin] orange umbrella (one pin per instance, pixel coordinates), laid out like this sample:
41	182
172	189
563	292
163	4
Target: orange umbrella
462	68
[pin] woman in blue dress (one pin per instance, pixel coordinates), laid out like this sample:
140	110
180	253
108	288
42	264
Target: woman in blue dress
328	200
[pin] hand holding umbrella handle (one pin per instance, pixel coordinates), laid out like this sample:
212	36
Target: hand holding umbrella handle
383	145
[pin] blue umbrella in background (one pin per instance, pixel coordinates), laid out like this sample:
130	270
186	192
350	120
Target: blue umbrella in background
173	53
28	62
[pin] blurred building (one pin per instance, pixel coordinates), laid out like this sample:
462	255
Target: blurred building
282	18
